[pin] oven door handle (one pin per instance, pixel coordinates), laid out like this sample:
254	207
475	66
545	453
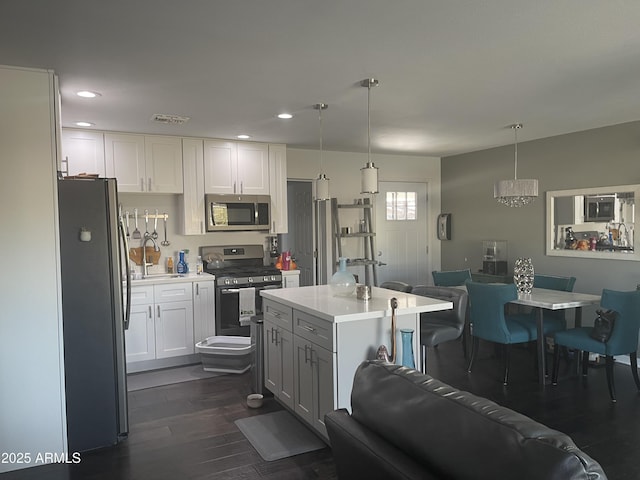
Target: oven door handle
230	290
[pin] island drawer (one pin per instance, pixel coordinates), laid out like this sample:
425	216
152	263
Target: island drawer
278	314
314	329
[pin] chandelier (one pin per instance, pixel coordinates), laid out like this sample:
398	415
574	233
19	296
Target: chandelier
369	173
516	192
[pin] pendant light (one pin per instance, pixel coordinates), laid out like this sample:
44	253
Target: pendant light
516	193
369	172
322	182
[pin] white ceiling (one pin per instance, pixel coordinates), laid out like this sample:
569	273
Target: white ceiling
453	73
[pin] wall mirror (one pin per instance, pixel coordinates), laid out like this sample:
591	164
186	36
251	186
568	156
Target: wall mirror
593	223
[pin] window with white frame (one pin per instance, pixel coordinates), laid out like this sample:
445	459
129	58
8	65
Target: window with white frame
401	206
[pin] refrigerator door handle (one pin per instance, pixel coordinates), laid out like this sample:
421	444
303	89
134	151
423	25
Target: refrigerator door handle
125	244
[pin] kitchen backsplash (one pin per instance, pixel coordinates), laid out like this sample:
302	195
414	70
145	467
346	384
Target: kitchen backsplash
169	204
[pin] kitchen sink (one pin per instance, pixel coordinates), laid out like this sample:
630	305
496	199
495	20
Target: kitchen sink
155	276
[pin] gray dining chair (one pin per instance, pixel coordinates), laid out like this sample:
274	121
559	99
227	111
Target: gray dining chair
397	286
445	325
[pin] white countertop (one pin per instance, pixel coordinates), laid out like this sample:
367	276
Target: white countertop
157	279
319	301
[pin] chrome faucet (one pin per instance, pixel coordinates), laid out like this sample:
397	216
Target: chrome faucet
623	241
145	264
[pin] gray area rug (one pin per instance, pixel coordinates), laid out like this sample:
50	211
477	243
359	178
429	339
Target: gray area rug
278	435
166	376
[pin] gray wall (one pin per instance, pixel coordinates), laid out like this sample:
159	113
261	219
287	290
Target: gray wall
599	157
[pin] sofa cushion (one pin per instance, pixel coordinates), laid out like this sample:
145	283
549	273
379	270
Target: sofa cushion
459	435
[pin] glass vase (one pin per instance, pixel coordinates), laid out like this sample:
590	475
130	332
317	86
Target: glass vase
406	336
342	282
523	275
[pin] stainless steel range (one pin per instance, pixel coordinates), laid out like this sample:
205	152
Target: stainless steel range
240	276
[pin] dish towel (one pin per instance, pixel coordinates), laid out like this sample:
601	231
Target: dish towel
246	305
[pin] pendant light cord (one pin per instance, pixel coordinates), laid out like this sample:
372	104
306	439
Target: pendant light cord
320	116
369	122
516	127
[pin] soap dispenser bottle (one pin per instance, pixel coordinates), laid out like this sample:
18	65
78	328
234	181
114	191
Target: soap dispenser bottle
182	265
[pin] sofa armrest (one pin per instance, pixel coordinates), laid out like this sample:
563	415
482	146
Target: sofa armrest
360	453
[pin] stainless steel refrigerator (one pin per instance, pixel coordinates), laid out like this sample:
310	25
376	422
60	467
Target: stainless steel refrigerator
93	255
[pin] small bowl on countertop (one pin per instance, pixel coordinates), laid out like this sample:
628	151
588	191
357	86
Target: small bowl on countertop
254	400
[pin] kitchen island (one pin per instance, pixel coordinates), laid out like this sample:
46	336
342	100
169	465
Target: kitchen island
314	341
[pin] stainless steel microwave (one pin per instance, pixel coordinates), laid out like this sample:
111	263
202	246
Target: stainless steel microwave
237	212
599	208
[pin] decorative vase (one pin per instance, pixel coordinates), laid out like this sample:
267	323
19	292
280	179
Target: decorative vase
342	282
406	335
523	275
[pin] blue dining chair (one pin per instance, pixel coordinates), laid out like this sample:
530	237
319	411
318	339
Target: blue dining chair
623	340
489	321
552	282
451	278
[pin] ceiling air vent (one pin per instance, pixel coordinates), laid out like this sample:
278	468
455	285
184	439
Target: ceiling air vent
169	119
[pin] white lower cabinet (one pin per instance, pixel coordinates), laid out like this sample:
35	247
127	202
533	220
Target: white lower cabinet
174	329
290	278
140	337
168	319
204	324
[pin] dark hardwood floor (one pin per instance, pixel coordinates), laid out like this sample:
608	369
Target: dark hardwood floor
186	430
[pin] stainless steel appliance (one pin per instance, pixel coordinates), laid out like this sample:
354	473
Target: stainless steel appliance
237	212
238	267
599	208
93	253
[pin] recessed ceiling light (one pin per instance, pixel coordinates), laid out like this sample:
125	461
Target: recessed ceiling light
243	136
85	124
87	94
285	116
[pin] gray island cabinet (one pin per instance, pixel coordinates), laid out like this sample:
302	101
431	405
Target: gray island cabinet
314	341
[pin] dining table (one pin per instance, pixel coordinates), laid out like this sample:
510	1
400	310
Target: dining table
543	299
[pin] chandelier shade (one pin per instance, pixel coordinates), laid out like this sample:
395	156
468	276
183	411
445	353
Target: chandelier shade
369	173
516	192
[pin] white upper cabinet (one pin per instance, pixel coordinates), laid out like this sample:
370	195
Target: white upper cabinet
192	200
220	166
82	152
163	164
278	188
144	163
253	168
236	168
124	157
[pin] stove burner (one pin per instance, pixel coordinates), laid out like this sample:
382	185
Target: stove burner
239	265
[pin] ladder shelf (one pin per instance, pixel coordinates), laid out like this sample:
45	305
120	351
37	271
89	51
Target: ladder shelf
366	234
